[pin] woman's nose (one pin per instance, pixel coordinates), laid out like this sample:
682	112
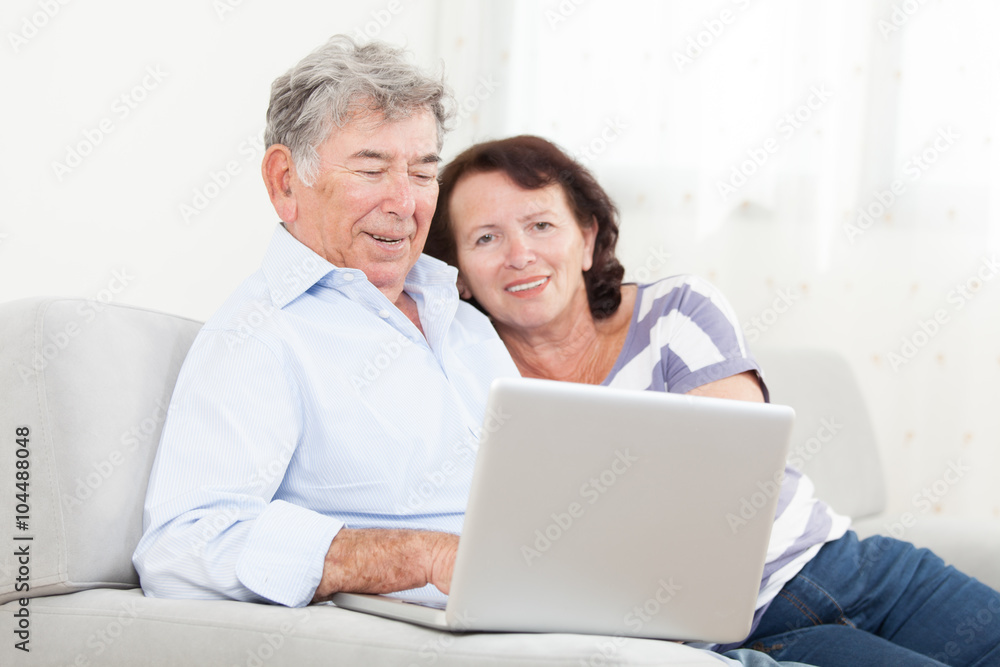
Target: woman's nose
520	253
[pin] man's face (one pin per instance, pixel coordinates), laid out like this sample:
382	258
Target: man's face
371	205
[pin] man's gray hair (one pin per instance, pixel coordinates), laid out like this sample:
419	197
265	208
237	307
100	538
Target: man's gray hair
336	81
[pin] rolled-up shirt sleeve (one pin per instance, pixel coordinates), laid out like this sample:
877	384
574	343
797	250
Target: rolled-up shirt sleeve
212	525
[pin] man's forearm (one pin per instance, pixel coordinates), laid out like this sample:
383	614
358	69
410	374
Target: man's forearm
372	560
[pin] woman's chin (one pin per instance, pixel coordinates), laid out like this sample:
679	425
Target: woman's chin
524	319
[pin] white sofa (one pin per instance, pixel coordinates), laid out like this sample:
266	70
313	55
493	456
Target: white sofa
91	382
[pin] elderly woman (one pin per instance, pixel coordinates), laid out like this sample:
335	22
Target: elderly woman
533	236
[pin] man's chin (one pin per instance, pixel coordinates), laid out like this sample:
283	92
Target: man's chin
389	276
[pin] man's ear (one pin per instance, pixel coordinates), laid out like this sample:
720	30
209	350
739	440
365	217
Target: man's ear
278	171
463	289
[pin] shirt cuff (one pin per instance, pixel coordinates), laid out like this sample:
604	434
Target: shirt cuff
285	552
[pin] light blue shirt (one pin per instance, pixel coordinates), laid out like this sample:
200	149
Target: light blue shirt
310	402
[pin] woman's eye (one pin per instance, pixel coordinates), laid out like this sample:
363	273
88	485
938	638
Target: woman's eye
484	239
542	225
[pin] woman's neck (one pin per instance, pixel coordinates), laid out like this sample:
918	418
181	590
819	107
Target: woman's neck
576	348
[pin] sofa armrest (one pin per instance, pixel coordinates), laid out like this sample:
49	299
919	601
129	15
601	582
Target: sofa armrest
972	545
833	440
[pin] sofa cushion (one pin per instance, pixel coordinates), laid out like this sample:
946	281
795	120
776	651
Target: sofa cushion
91	382
114	627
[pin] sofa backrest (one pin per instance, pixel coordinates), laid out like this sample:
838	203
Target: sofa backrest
90	382
833	441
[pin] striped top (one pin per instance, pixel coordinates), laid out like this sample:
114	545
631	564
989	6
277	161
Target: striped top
309	402
683	335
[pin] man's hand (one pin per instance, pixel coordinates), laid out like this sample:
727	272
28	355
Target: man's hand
443	561
373	560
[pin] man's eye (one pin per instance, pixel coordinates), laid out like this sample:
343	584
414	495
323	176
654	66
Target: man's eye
424	178
371	173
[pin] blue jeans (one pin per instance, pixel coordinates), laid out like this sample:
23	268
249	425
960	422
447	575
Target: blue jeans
749	658
881	602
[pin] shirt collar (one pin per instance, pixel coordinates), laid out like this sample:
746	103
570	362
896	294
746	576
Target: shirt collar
430	271
291	268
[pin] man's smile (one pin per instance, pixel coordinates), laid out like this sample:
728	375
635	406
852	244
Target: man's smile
386	239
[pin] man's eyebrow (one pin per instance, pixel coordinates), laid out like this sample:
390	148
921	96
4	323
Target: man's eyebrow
367	153
372	154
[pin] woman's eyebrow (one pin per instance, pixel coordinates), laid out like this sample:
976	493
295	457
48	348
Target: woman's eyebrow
532	214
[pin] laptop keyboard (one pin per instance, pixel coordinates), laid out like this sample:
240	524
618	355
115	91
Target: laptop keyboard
433	604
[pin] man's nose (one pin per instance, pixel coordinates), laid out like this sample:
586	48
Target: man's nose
399	199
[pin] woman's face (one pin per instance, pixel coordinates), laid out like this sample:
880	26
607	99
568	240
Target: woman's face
521	253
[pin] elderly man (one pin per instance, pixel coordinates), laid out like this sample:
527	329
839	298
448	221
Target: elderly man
344	383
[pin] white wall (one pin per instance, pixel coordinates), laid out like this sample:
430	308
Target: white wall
113	226
120	209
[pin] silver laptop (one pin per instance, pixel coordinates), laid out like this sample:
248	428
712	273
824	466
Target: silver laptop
614	512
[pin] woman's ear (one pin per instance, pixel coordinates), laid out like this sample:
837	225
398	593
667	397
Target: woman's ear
463	289
589	240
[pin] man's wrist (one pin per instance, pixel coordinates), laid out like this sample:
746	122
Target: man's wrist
377	560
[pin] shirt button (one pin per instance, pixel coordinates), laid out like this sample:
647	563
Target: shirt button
384	314
348	277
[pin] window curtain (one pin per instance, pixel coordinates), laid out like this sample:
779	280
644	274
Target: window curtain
832	160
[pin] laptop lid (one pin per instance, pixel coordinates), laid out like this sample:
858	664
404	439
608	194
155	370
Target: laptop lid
617	512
